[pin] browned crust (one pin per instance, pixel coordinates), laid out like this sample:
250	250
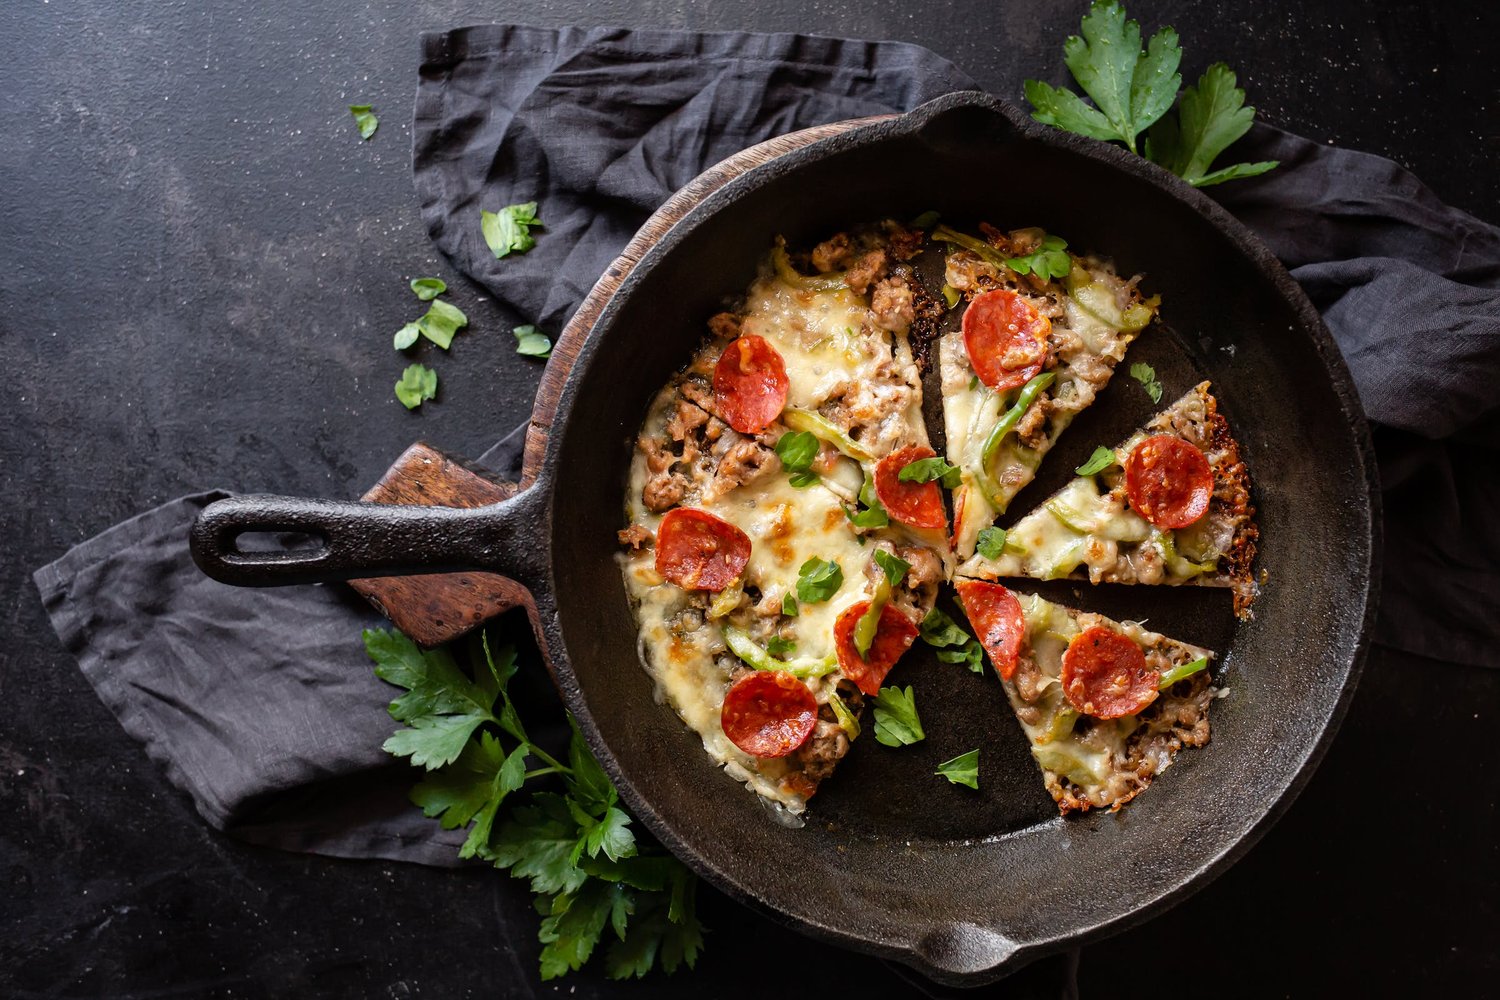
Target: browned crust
1232	490
1188	705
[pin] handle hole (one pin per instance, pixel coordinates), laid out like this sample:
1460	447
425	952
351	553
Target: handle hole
255	542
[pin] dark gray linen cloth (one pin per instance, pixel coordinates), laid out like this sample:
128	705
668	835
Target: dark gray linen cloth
261	705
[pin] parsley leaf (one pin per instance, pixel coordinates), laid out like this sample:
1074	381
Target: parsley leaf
576	848
531	343
971	654
363	118
896	722
895	567
925	470
1146	376
991	542
962	770
1210	117
937	629
1048	261
818	580
406	336
508	231
441	321
418	383
777	646
797	450
428	289
953	643
1131	87
789	605
1101	459
874	515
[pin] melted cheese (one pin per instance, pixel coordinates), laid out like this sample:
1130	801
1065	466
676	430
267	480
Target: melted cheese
818	334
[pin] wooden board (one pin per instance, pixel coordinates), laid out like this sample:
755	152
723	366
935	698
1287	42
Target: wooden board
438	608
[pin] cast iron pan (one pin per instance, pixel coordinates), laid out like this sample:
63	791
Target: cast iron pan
964	886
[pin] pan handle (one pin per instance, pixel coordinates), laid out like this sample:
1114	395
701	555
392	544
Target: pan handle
358	539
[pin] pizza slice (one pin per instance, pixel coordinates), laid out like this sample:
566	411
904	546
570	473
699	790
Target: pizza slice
779	561
1105	705
1169	505
1040	337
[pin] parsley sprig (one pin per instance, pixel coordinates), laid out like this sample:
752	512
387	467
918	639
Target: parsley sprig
1133	89
575	846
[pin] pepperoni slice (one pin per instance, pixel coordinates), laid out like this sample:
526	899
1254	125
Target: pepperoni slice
917	504
750	384
697	551
1168	481
995	615
769	713
1006	338
893	637
1105	675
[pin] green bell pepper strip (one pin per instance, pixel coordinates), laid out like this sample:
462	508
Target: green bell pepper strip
830	282
824	429
755	655
847	722
1007	423
1179	565
869	622
945	235
1170	677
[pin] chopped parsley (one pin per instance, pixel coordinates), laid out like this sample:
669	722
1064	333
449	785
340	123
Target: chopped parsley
532	343
365	119
925	470
991	542
406	336
962	770
441	321
777	646
797	450
508	231
818	580
953	644
418	384
873	515
894	566
896	721
1049	261
1146	376
789	605
428	289
1101	459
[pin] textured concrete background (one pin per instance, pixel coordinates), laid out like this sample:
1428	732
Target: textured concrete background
200	270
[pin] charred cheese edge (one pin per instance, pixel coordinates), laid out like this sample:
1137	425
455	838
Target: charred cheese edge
1086	762
1087	530
970	409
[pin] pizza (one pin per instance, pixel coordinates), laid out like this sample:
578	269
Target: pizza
1169	505
1105	705
1033	351
786	529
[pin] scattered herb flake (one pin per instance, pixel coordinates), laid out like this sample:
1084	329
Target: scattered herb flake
532	343
894	566
789	605
797	450
365	119
406	336
925	470
962	770
937	629
441	321
896	721
1146	376
418	384
508	231
818	580
428	289
970	654
874	515
991	542
777	646
1101	459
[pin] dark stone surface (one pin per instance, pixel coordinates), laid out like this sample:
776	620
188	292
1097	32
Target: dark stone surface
200	270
